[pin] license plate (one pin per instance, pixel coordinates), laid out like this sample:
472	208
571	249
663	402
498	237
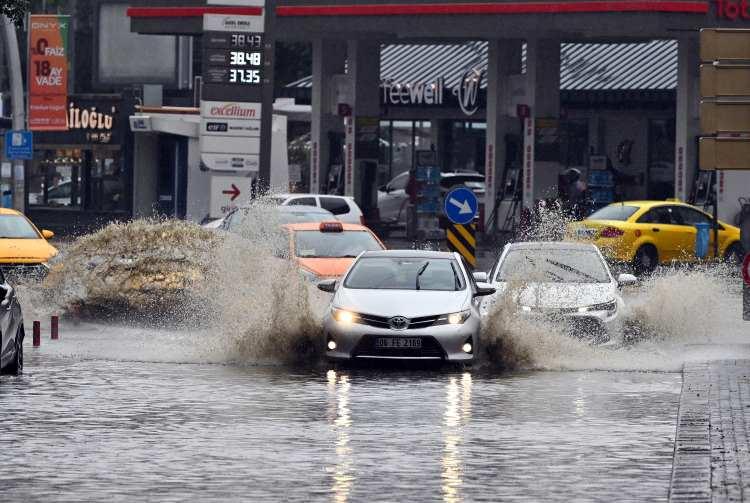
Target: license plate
398	342
586	233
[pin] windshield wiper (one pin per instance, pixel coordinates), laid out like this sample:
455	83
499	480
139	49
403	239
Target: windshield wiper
566	267
419	273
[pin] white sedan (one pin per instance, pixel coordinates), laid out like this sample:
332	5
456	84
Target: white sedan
566	283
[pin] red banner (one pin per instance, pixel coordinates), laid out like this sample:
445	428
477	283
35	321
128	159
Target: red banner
48	72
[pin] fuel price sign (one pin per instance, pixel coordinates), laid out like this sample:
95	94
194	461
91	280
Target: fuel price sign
234	58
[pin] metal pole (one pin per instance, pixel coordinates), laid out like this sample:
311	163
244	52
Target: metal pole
17	105
716	222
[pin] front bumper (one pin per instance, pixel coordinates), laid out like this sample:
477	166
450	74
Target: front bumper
595	326
438	342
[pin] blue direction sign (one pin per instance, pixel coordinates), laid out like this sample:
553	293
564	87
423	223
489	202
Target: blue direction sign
19	145
461	205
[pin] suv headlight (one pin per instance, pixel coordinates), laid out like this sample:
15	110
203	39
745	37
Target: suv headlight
458	318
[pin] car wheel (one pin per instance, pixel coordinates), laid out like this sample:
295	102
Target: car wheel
734	254
16	366
646	259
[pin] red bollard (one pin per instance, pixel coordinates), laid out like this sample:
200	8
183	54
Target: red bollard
37	334
54	335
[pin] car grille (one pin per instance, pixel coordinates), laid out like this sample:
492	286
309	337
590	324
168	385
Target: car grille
384	322
431	348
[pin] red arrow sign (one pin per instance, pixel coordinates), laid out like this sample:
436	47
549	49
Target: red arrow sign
235	192
746	269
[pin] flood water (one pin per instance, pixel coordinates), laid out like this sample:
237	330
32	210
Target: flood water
77	427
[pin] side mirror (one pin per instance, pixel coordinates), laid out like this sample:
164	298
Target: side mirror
383	188
484	289
327	285
626	280
480	277
47	234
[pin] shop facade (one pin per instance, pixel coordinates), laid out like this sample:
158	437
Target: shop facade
82	178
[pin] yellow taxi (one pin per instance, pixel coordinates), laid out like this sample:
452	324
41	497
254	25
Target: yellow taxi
325	250
23	247
648	233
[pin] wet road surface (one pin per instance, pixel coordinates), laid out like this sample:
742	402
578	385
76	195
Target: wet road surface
77	427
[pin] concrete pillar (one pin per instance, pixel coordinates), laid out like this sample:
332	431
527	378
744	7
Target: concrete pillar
687	125
329	59
363	70
504	59
540	169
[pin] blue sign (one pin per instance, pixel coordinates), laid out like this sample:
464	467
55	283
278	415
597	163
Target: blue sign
461	205
19	145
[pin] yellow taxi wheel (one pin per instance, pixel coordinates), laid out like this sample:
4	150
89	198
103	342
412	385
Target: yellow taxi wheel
646	259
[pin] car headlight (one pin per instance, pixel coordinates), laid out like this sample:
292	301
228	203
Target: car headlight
458	318
604	306
343	316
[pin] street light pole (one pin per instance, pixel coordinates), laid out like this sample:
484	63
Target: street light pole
17	105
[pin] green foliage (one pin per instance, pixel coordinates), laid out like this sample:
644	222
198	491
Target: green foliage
15	10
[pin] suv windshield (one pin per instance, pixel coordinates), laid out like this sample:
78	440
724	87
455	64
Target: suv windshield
316	244
16	227
614	212
393	273
553	266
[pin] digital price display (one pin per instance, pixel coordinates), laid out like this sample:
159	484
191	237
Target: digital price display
233	58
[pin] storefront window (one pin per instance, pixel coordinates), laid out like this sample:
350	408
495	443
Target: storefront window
661	158
402	148
106	181
465	149
77	178
574	142
384	163
55	178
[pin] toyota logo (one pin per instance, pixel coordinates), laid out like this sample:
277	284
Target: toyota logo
398	323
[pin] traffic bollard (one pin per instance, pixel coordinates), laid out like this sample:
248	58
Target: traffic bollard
37	334
54	326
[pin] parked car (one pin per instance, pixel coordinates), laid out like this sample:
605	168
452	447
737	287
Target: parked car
648	233
405	305
343	208
281	215
569	283
393	198
24	249
11	330
327	249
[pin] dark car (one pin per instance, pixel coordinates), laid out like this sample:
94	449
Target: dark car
11	330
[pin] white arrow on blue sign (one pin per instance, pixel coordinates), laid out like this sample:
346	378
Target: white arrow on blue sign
19	145
461	205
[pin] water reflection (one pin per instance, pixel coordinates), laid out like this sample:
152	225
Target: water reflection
341	422
457	415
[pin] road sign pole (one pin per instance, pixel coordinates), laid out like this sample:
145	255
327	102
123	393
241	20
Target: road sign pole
18	108
461	207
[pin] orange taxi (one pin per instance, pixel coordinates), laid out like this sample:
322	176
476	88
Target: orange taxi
325	250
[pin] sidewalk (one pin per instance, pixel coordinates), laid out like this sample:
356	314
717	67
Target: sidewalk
712	455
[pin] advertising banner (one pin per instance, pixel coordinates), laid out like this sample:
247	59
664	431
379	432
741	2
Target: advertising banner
48	72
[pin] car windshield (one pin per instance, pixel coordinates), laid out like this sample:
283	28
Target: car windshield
393	273
619	212
16	227
275	216
317	244
557	265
